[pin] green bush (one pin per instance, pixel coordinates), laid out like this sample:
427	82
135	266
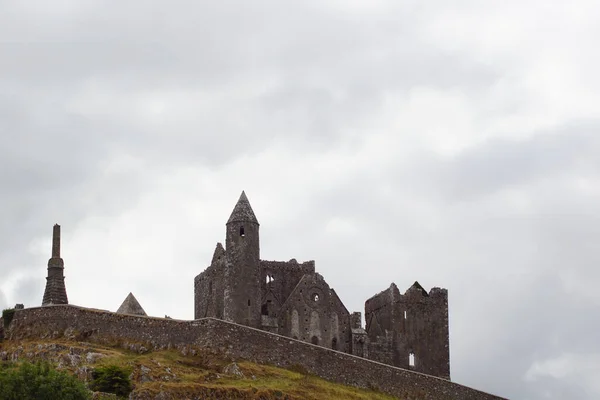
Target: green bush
111	379
39	382
7	316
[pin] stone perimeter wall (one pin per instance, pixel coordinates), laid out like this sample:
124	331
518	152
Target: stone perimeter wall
235	341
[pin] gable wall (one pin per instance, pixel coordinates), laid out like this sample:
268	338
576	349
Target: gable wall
324	321
285	276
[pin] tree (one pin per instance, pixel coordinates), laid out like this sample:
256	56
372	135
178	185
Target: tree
39	382
111	379
7	316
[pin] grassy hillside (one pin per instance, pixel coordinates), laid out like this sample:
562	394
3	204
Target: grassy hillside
172	375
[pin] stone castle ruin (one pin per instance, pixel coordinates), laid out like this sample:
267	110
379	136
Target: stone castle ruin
289	298
272	312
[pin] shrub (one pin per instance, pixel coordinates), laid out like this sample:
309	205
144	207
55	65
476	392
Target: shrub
7	316
111	379
39	382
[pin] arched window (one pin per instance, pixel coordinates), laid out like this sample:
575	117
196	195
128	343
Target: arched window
334	343
411	359
242	231
314	340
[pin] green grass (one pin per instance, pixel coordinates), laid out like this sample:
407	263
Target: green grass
200	375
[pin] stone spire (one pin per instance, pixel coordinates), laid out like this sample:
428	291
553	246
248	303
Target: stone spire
242	212
55	292
131	306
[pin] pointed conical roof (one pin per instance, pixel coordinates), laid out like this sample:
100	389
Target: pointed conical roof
242	212
131	306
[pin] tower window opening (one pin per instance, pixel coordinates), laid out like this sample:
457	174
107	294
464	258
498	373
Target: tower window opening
334	343
315	297
411	360
242	234
248	302
404	314
314	340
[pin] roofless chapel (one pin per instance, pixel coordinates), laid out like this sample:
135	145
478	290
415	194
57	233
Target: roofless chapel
289	298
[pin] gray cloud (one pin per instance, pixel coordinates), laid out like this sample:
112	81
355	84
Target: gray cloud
499	164
453	145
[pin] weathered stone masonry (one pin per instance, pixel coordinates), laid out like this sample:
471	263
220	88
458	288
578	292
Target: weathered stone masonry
274	312
289	298
401	326
55	292
238	342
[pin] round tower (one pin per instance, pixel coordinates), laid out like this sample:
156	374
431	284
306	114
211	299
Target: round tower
242	289
55	292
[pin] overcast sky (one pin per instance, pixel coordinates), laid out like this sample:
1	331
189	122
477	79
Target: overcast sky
453	143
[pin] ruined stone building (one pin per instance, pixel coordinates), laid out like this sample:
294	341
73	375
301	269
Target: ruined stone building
289	298
244	305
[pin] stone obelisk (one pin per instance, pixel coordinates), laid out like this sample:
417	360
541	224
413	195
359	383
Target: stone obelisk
55	292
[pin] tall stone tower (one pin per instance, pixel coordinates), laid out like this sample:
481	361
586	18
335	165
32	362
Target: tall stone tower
55	292
242	295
